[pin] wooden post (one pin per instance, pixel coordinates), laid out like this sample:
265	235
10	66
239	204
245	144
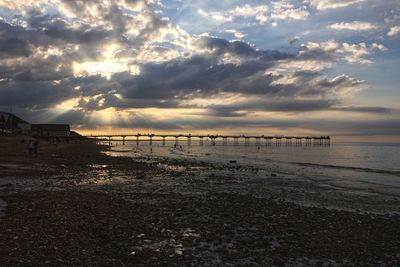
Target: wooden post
247	141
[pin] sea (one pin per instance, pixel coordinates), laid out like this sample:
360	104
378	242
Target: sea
359	166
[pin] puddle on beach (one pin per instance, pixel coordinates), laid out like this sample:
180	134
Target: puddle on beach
97	166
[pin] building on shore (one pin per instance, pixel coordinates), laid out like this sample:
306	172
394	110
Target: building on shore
50	130
10	123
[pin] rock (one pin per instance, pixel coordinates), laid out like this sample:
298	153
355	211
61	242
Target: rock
179	251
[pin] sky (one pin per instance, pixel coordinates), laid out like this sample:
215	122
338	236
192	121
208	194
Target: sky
295	67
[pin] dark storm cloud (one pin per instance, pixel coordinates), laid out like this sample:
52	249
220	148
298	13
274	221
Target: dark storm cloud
381	110
202	75
294	106
37	94
205	76
14	47
59	29
15	41
33	69
93	85
243	109
220	46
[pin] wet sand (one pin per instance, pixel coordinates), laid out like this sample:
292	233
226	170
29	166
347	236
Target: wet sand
74	205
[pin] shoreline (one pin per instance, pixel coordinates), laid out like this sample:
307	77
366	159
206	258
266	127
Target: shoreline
96	209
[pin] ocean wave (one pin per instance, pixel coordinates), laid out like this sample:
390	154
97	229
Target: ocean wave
349	168
179	152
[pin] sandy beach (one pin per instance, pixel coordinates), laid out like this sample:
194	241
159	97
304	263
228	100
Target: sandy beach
75	205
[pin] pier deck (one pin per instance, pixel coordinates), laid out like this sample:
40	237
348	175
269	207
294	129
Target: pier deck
213	138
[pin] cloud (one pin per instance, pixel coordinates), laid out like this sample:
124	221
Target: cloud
354	26
219	16
394	31
246	108
236	33
262	14
334	51
287	11
270	105
14	47
219	47
38	95
364	109
332	4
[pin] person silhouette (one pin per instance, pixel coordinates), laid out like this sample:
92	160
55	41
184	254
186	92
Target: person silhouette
35	147
30	147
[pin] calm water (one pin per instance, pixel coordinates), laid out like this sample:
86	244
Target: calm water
354	168
379	158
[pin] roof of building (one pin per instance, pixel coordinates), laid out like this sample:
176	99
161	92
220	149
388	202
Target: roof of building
7	117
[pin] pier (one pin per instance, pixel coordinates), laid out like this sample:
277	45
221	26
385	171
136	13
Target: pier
213	139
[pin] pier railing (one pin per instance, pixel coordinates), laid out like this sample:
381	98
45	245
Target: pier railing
246	139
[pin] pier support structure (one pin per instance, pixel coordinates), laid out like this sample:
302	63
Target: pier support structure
298	141
212	141
288	141
308	141
235	141
278	141
268	141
